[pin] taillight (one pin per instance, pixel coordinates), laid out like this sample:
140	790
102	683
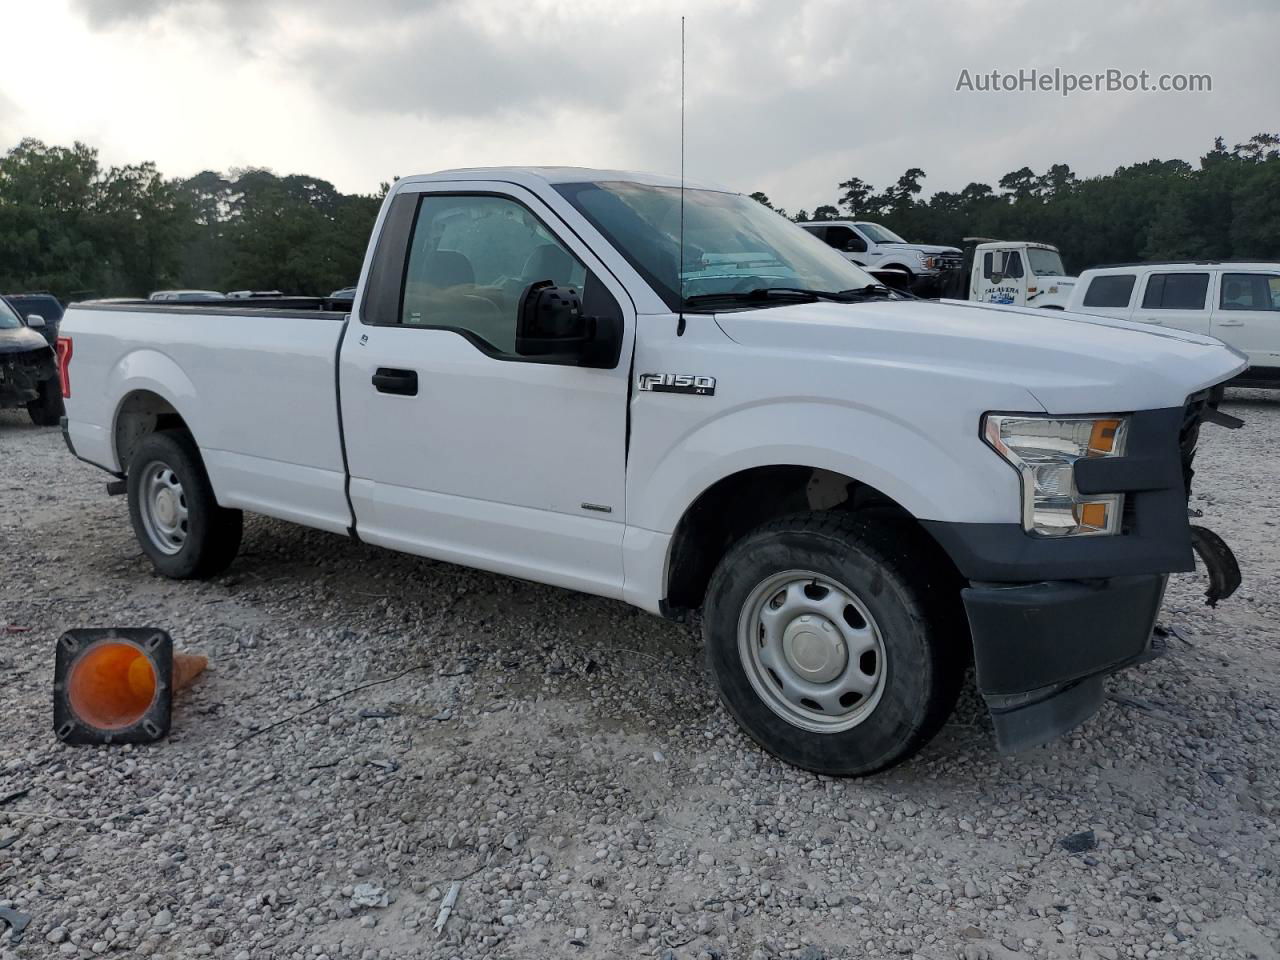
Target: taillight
63	349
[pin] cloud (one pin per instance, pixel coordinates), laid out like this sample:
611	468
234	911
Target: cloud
789	99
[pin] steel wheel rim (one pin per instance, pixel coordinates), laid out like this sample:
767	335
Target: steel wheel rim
163	505
812	651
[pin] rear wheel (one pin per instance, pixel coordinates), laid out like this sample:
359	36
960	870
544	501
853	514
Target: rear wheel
175	516
825	647
46	409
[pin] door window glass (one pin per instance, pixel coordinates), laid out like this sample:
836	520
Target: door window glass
1111	290
1175	291
471	259
1250	291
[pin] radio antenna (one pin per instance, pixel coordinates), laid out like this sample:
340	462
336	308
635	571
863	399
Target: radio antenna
680	264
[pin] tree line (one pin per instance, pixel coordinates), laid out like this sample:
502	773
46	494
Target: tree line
1227	206
80	230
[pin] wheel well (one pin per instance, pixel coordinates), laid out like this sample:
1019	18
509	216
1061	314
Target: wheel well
734	506
898	266
141	413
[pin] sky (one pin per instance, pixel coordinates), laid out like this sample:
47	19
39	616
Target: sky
785	96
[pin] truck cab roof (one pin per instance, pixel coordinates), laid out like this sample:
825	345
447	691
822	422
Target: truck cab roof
1020	244
533	177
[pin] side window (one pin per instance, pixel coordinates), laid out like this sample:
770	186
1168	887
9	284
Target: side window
819	232
999	264
471	258
842	238
1112	290
1176	291
1250	291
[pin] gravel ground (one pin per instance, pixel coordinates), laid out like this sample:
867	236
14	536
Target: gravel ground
564	756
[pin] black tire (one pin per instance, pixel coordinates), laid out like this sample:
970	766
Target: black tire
891	572
211	533
46	410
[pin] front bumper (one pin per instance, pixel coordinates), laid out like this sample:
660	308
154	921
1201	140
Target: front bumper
21	375
1041	650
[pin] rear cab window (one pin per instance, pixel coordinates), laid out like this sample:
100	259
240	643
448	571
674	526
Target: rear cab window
1110	290
1176	291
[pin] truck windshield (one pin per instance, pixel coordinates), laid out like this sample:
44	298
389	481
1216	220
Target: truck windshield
8	319
1045	263
879	234
732	244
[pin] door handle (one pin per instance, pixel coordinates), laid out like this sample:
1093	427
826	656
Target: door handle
391	380
1153	320
1231	323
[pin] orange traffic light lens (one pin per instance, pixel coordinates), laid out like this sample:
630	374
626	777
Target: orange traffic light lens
112	686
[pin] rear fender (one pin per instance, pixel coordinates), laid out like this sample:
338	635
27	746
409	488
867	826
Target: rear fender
154	372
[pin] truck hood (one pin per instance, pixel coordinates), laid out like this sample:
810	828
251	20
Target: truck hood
21	340
922	247
1070	362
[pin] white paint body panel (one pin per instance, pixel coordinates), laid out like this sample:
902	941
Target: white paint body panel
257	392
491	463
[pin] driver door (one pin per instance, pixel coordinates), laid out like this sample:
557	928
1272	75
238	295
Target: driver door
458	447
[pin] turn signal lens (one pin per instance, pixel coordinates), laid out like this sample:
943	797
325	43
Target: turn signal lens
1102	438
1094	515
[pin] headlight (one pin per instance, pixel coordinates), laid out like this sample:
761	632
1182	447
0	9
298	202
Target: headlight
1044	451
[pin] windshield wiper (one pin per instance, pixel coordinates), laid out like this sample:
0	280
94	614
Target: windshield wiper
803	294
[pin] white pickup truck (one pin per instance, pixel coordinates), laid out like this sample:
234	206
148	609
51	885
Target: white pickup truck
874	245
862	492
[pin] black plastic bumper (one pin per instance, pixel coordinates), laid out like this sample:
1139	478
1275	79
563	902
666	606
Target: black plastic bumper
1042	649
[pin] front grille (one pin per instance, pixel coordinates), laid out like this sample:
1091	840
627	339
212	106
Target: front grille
25	371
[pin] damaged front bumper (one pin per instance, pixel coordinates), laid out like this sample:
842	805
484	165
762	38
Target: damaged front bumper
21	375
1041	650
1051	618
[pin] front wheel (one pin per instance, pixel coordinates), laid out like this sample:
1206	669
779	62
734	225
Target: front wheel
823	645
174	513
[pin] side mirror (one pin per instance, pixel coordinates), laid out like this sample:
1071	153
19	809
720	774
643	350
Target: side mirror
551	323
35	321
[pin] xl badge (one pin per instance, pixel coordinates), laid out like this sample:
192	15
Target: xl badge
678	383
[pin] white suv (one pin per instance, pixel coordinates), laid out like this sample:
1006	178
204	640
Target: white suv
1239	303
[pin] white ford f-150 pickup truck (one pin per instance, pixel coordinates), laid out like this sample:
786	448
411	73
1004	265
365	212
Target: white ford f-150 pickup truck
540	376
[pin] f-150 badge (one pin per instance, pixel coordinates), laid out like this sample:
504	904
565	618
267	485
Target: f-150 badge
678	383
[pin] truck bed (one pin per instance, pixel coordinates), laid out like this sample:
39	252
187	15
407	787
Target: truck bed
269	364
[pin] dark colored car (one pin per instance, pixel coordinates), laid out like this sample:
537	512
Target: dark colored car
43	305
28	367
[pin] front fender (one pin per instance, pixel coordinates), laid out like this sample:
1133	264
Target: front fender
953	477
